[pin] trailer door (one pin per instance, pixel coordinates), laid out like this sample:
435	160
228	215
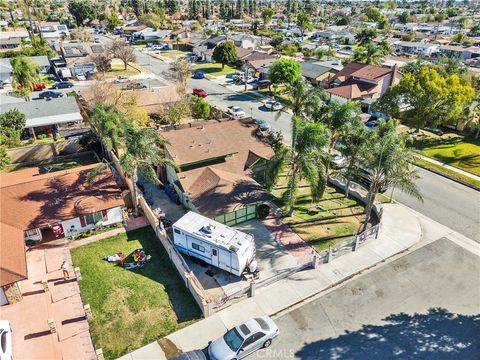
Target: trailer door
215	257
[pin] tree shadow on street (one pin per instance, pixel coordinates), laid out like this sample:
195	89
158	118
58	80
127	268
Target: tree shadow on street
437	334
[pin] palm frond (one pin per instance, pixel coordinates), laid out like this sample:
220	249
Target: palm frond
95	173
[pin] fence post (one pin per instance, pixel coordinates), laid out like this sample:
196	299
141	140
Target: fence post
329	253
314	259
252	288
355	244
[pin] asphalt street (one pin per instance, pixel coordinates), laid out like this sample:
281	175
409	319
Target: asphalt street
445	201
424	305
448	202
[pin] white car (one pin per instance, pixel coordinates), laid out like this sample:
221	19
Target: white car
121	79
244	339
236	112
5	340
273	105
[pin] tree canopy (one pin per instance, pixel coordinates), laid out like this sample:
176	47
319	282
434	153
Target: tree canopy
12	124
427	98
82	10
284	71
225	53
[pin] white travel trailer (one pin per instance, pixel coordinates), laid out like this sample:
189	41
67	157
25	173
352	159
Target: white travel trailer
214	243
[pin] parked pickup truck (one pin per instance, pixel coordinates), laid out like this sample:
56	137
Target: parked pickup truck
236	112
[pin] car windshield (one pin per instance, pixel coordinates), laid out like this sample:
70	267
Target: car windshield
233	339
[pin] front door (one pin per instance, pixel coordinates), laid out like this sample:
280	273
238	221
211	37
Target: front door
215	257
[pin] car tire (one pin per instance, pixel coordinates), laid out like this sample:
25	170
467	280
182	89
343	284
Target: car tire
267	343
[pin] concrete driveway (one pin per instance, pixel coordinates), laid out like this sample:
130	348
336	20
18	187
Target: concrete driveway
424	305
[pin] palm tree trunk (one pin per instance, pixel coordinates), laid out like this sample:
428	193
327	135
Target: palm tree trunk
293	190
391	194
368	209
135	192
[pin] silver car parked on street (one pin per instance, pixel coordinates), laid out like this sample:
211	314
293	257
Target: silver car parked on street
244	339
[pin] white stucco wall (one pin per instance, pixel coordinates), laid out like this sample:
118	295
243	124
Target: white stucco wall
72	226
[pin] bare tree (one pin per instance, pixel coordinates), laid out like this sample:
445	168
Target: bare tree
103	61
180	71
121	50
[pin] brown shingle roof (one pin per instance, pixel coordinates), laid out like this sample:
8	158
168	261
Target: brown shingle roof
213	140
36	201
368	72
216	192
13	265
29	200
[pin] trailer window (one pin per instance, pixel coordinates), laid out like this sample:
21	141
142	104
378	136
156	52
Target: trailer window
198	247
176	231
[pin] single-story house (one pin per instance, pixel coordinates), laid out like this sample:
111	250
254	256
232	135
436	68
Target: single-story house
43	207
47	115
53	32
217	162
6	67
201	48
130	29
77	57
416	48
320	73
12	38
244	41
462	52
150	34
361	82
260	67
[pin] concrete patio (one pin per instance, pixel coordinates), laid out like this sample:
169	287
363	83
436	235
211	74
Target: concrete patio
32	338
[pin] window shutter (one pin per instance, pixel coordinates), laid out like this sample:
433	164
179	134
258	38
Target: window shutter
104	215
82	221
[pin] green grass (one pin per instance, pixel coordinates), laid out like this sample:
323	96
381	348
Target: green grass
447	172
326	223
216	69
132	308
118	69
452	149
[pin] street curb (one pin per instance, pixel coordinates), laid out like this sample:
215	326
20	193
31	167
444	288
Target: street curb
447	177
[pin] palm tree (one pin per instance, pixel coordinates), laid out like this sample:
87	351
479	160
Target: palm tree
354	139
305	160
307	100
338	116
109	124
25	75
370	54
144	151
389	163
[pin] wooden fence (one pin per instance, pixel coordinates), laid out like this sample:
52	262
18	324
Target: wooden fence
42	152
191	281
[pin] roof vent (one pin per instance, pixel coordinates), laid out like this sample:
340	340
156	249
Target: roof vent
207	229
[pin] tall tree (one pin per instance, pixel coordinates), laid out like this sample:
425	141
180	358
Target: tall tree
355	137
304	22
284	71
427	98
369	54
123	51
225	53
82	10
144	151
340	115
25	75
306	100
267	15
305	160
12	125
365	36
389	163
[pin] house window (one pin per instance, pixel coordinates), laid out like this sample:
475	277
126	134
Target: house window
29	233
93	218
198	247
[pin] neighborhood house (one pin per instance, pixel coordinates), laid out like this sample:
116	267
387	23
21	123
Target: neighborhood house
42	207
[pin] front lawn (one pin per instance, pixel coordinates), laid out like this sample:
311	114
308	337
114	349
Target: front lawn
452	149
118	69
132	308
216	69
333	219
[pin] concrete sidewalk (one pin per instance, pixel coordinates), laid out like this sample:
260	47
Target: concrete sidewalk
402	230
449	167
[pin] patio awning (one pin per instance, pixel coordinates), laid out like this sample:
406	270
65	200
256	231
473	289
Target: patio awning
53	119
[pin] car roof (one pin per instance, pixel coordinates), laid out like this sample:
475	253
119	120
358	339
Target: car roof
249	327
